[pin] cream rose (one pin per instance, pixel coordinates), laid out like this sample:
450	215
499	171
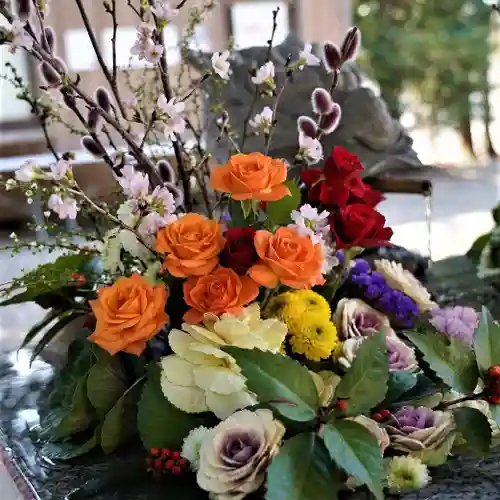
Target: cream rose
355	318
234	456
378	432
399	278
326	383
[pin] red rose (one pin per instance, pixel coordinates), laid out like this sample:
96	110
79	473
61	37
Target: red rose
239	254
370	197
337	181
359	225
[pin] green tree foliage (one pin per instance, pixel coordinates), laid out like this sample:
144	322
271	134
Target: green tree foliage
438	49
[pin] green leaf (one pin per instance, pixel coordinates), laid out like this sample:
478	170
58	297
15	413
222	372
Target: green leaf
69	449
237	216
424	387
38	327
487	342
160	424
282	382
279	211
451	360
302	470
46	278
80	414
364	386
246	207
355	449
398	384
120	423
106	383
477	247
474	428
438	456
65	319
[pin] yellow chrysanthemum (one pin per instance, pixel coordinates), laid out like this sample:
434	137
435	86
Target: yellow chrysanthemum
313	302
314	337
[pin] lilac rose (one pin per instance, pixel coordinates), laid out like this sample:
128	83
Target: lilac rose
458	322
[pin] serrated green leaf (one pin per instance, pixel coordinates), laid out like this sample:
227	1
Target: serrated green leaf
302	470
64	320
438	456
120	423
452	360
364	386
424	388
355	449
106	383
160	424
398	384
80	413
279	212
246	207
474	428
487	342
280	381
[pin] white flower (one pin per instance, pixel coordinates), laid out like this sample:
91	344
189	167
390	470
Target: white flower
407	473
310	149
265	75
235	455
174	123
60	169
170	108
134	184
128	213
174	126
309	221
153	52
221	65
307	58
129	242
398	278
164	198
27	171
110	252
65	208
150	224
192	445
19	37
164	12
263	121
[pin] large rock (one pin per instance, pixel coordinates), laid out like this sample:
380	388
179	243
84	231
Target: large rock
366	128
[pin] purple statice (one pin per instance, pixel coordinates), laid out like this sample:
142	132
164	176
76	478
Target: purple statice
458	322
376	290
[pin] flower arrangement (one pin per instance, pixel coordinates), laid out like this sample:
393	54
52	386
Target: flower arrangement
249	346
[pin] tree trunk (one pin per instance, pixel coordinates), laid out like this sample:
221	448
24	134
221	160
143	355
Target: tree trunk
465	131
492	153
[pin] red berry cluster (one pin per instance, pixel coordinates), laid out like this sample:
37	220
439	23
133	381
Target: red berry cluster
165	460
78	279
341	405
382	415
494	384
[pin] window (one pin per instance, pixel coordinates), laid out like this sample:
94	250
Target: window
80	55
251	22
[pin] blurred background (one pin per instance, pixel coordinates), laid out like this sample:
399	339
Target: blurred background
436	63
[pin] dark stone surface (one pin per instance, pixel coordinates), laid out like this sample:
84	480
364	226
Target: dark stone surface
122	476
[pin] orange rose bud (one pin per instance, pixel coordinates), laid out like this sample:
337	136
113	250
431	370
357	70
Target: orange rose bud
251	176
128	314
287	258
222	291
191	244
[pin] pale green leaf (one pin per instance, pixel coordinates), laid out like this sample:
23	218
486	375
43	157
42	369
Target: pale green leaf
439	455
487	342
474	428
279	212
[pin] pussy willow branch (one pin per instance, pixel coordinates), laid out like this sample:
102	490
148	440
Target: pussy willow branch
257	92
110	78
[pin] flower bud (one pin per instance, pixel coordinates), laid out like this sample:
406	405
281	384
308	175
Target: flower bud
61	65
331	56
328	123
93	120
307	126
176	193
103	99
48	40
166	171
351	44
322	101
23	8
92	146
49	74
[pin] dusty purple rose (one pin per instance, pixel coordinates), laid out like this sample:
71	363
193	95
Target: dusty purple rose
416	429
401	357
458	322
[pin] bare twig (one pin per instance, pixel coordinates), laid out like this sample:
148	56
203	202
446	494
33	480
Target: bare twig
102	64
181	4
196	86
113	40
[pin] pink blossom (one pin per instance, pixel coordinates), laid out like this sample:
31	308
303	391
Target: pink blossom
165	198
19	37
164	12
153	222
65	208
153	52
134	184
59	170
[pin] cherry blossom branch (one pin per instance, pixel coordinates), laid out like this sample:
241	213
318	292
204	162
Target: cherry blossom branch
196	86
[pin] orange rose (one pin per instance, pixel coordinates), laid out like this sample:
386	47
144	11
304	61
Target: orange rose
128	314
222	291
251	177
192	244
288	258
